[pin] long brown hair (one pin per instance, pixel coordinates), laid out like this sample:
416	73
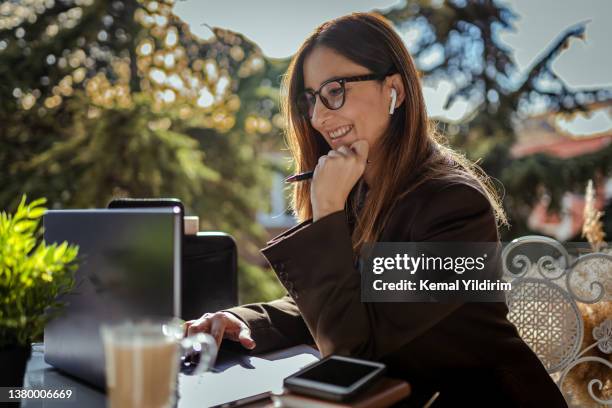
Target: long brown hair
412	148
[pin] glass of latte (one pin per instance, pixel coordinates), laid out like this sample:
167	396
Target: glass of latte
143	359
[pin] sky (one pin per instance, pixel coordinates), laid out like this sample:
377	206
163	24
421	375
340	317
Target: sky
279	27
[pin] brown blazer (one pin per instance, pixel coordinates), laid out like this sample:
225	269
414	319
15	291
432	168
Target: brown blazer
469	352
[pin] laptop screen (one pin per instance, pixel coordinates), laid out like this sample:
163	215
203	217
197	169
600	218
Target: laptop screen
129	267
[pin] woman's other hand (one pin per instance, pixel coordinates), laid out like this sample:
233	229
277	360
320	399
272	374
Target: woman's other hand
221	325
335	176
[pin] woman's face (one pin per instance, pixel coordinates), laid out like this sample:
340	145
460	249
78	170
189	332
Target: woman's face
365	113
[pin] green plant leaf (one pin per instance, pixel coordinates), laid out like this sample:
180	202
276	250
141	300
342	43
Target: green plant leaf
37	212
40	202
32	274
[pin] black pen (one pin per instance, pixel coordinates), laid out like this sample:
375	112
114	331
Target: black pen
299	177
307	175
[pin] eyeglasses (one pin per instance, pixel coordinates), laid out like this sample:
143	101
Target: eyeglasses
331	93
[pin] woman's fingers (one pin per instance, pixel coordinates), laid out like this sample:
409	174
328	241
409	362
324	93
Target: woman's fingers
245	337
201	325
361	148
217	329
345	151
342	151
186	327
221	325
237	330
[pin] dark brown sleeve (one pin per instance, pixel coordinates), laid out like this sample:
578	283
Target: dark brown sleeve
315	264
274	325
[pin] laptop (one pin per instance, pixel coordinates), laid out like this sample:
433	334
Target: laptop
129	267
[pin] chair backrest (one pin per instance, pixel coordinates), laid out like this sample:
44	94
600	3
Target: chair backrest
547	285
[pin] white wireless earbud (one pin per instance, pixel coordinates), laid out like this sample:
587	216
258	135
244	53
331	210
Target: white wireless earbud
393	100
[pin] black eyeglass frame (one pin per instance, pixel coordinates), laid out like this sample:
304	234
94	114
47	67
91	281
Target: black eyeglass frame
342	82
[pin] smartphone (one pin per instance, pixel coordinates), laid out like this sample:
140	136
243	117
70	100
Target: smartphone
335	378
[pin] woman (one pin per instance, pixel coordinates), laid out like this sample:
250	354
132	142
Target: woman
356	115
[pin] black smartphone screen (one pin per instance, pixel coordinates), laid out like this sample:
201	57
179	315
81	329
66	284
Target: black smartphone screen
337	372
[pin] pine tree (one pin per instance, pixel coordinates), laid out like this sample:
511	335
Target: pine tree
101	99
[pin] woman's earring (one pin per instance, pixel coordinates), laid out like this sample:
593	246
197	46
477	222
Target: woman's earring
393	100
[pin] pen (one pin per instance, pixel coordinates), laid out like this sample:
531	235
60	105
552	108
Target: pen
299	177
304	176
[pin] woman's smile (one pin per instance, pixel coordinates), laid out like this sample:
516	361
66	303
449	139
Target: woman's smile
339	135
339	132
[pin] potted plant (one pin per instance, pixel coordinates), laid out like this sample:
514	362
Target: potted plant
32	276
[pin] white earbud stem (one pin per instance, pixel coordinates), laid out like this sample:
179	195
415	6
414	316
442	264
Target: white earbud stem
393	100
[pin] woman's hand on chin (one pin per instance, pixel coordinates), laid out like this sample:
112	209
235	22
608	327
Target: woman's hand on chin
335	176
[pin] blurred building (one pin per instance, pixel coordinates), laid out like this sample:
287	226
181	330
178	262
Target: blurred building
544	134
279	216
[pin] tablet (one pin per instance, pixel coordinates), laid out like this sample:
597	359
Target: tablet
335	378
